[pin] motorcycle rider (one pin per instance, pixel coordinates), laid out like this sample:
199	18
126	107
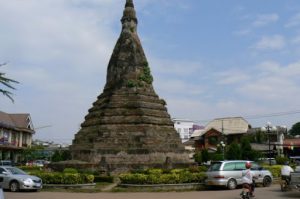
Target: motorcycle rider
286	172
247	179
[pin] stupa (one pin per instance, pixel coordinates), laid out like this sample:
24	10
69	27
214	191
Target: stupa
128	123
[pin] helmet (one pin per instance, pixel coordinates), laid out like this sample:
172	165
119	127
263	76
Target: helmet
248	165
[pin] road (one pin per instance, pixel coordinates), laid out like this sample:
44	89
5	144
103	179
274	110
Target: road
272	192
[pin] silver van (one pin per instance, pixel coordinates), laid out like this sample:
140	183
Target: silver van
229	174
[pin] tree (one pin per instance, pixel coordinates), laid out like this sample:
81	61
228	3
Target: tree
246	150
295	130
233	152
205	155
6	82
61	155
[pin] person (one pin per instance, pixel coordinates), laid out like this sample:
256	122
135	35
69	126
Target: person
286	172
247	179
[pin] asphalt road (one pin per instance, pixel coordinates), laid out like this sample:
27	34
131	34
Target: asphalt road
272	192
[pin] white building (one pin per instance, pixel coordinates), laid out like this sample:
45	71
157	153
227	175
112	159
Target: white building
184	127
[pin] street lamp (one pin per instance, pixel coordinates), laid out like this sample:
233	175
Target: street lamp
222	144
269	128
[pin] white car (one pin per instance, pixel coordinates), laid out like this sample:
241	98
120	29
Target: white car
229	174
15	179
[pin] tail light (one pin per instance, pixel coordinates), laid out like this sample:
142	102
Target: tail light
218	177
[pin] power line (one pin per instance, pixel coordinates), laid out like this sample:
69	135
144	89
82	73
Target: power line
258	116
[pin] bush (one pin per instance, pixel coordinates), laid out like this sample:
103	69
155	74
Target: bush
155	171
157	177
64	178
274	169
281	160
70	170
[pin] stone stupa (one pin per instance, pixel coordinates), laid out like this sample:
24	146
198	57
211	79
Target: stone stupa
128	124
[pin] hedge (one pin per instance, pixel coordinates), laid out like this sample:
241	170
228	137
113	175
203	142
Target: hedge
157	176
274	169
64	178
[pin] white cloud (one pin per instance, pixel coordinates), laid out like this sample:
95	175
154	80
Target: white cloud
232	77
274	82
265	19
296	40
275	42
293	21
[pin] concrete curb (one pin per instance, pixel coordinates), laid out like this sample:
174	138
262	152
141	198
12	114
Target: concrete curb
66	186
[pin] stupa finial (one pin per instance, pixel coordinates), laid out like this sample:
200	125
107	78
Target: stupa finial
129	3
129	12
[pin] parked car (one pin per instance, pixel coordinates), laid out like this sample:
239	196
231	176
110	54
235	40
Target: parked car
6	163
229	174
15	179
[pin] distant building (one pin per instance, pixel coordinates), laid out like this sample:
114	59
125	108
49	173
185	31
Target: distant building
226	130
185	128
16	132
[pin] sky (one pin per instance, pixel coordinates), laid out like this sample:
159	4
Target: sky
209	58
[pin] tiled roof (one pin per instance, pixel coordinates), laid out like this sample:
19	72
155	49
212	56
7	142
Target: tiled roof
20	121
229	125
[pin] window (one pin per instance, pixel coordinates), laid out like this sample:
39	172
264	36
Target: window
240	166
179	130
186	130
213	140
215	166
229	166
255	166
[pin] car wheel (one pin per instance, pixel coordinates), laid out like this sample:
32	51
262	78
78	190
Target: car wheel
14	186
231	184
267	181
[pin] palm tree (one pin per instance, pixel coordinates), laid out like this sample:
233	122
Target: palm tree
6	82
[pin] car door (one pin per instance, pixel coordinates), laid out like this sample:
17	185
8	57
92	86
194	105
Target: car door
2	177
257	172
239	167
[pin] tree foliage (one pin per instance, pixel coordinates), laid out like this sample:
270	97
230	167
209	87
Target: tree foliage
233	152
295	130
61	155
5	84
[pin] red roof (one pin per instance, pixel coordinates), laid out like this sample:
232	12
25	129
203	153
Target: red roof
292	142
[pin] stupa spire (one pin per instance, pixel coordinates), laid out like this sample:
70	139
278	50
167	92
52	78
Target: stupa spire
129	13
129	3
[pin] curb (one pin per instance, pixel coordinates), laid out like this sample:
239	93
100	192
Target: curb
66	186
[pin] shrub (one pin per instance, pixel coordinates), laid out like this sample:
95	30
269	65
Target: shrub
64	178
70	170
156	177
155	171
281	160
71	178
274	169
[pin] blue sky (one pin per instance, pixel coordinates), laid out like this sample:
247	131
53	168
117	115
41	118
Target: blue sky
209	58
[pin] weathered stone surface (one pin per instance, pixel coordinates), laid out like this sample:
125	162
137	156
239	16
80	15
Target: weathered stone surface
128	122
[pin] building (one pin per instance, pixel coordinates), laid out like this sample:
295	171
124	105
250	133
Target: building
184	128
224	130
16	132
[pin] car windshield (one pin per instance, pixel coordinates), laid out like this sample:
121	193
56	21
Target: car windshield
16	171
215	166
